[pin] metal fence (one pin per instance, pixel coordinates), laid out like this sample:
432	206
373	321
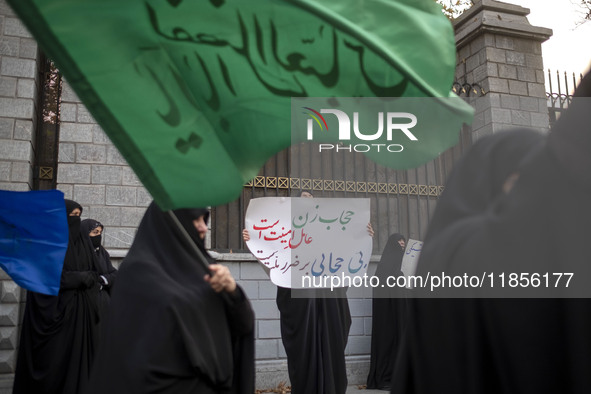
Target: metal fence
560	86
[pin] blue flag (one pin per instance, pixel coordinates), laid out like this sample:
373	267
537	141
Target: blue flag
33	238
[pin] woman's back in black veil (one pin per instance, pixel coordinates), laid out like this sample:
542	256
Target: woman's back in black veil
513	345
388	316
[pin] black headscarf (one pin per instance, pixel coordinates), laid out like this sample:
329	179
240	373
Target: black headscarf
102	259
388	317
513	345
87	226
391	259
167	329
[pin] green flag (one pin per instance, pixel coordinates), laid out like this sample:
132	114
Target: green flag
196	94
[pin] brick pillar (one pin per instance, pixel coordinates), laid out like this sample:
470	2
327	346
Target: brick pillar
18	97
501	51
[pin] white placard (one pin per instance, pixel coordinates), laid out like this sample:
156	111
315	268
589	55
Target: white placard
411	258
306	242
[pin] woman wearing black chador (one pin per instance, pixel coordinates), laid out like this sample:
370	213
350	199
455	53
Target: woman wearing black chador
59	333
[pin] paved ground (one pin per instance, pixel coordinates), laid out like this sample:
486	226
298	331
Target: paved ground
355	390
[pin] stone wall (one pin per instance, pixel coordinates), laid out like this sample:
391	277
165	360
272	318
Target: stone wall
18	96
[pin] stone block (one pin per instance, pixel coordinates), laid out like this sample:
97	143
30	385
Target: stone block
534	61
119	237
518	88
510	102
250	287
265	309
495	55
7	361
280	351
540	120
23	130
21	172
68	94
83	115
99	136
8	338
477	45
526	74
360	307
464	53
88	153
527	46
16	150
528	104
480	73
11	292
356	326
113	156
67	153
499	115
358	345
540	76
505	42
68	112
536	89
15	187
9	46
471	63
128	177
478	121
15	67
499	127
74	132
16	108
520	118
131	217
516	58
252	270
234	267
121	195
143	197
5	167
108	216
267	290
543	105
506	71
9	314
14	27
73	173
7	86
269	329
266	349
68	190
28	48
89	194
106	174
367	322
497	85
6	128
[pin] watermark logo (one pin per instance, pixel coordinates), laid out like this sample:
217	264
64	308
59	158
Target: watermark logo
389	122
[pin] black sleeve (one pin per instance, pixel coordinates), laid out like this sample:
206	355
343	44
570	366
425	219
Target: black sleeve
111	274
78	279
239	312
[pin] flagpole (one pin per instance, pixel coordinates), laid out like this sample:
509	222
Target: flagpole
200	257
